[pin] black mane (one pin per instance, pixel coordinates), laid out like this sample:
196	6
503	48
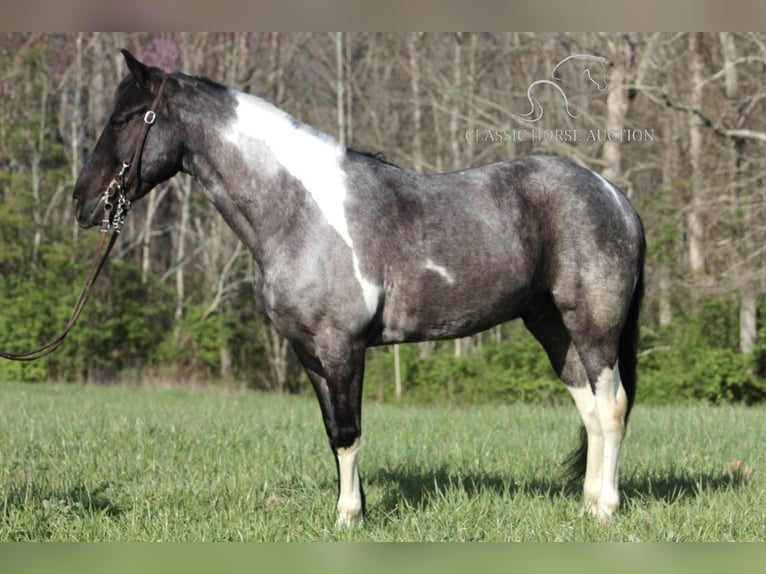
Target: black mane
376	155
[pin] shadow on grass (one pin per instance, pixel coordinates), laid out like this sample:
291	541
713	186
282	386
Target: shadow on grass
78	500
678	484
418	488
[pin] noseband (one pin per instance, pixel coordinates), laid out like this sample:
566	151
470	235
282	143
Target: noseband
114	218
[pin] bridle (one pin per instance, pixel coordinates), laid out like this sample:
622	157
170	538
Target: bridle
116	207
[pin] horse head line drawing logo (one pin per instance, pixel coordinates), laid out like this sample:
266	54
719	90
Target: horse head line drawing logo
536	112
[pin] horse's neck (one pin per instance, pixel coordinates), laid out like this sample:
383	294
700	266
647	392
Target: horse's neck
258	150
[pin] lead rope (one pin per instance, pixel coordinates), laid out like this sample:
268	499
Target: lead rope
87	286
113	221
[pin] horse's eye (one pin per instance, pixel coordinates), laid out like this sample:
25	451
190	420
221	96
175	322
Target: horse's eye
119	121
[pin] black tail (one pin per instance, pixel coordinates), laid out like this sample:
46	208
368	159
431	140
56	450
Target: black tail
629	343
627	356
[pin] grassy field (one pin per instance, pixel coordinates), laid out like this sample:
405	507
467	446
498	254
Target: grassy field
124	464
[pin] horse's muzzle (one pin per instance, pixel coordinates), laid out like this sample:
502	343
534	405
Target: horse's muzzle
84	217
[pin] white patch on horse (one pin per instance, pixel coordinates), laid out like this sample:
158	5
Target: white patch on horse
586	405
312	157
441	270
603	414
350	497
370	291
611	404
630	221
609	187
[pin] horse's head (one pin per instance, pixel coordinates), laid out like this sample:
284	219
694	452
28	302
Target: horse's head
153	155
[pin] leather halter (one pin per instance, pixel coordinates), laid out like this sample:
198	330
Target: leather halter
114	218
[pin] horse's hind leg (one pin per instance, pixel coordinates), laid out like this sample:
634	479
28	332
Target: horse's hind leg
602	409
550	331
336	370
599	398
603	406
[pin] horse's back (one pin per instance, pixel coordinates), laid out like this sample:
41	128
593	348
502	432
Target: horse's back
543	205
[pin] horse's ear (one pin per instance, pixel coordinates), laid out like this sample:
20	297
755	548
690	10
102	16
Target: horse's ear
139	70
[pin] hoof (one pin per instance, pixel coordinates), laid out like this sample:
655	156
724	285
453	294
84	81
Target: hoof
349	521
602	511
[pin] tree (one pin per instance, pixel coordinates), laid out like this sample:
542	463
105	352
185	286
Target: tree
699	184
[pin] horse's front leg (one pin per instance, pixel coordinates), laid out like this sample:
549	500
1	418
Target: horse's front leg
336	370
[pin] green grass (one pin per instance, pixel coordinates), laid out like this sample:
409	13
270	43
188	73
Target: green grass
115	463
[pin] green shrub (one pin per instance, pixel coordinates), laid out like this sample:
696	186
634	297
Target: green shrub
722	375
507	371
121	326
194	346
697	357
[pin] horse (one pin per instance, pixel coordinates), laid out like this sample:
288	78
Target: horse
352	252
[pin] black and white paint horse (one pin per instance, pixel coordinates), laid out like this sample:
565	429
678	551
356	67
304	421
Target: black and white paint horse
353	252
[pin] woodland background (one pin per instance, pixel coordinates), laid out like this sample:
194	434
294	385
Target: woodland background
176	304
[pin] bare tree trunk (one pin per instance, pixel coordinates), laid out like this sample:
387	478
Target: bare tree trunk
616	106
147	234
349	93
729	52
276	79
146	239
340	86
665	316
97	91
413	51
671	168
696	230
457	80
276	348
470	97
397	374
185	189
222	285
748	301
37	158
75	122
748	320
225	361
